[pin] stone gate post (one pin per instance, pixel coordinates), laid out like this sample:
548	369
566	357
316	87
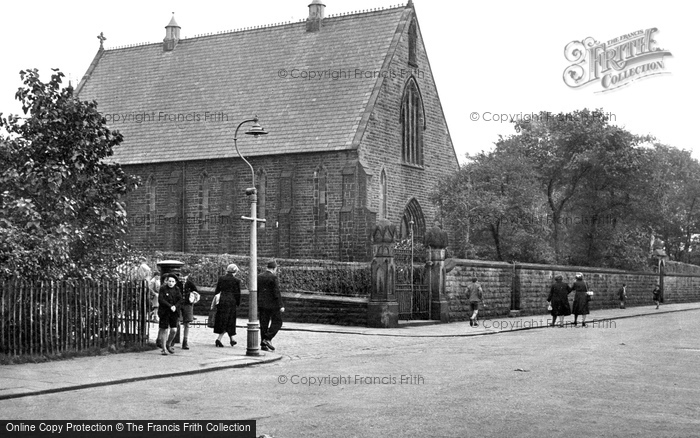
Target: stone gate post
382	308
436	241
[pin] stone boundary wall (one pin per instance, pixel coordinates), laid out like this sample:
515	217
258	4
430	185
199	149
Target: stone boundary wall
314	291
524	287
301	307
672	267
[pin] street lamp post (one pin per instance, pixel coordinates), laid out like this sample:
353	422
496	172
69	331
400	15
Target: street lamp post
253	339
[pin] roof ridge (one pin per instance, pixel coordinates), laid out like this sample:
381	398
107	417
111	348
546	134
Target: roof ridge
128	46
265	26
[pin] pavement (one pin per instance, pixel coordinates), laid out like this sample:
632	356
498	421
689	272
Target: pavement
203	356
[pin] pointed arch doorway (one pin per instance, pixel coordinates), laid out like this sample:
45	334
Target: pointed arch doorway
411	288
412	219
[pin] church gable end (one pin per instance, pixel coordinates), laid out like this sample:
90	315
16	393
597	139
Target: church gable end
406	141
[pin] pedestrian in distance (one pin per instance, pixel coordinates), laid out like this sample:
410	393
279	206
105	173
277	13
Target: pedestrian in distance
622	295
656	295
558	300
169	300
270	306
153	290
581	298
476	295
227	298
190	296
143	271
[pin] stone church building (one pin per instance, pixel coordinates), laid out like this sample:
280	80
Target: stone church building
356	133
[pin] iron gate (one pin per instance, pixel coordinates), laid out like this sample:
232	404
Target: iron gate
412	287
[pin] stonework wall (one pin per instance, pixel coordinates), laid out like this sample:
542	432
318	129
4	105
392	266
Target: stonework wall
382	143
525	287
310	308
212	222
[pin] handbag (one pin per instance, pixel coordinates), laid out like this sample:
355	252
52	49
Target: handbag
194	297
211	321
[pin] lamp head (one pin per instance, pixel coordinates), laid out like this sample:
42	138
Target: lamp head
256	129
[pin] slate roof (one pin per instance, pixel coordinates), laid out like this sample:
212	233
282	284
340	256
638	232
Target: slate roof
229	77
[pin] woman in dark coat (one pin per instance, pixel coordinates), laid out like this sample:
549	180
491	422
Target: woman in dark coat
559	300
581	298
229	289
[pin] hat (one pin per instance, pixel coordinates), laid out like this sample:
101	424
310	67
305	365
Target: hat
271	264
579	275
232	268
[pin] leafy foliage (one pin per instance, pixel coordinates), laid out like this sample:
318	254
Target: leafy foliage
60	209
574	189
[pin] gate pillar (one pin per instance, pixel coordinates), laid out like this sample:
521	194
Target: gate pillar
436	241
382	308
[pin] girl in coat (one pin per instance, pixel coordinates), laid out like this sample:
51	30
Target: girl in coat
169	299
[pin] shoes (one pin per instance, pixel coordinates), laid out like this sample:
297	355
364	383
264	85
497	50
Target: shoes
471	323
219	344
163	352
184	345
171	350
476	324
233	342
268	345
263	347
583	324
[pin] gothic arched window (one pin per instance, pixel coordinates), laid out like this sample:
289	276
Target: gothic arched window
412	40
204	189
412	124
151	204
382	195
320	197
261	186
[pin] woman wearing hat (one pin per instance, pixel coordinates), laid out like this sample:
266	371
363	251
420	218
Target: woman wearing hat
581	299
228	290
558	299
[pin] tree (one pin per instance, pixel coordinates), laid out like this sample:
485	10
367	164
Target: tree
571	152
671	201
60	209
493	204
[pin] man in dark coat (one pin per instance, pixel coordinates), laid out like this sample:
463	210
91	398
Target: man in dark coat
622	295
270	306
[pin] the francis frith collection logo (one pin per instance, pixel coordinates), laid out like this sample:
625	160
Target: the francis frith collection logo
614	63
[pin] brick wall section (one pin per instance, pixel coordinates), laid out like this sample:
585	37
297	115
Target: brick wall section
227	233
533	281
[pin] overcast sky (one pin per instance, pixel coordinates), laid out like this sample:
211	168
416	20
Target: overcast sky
488	58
